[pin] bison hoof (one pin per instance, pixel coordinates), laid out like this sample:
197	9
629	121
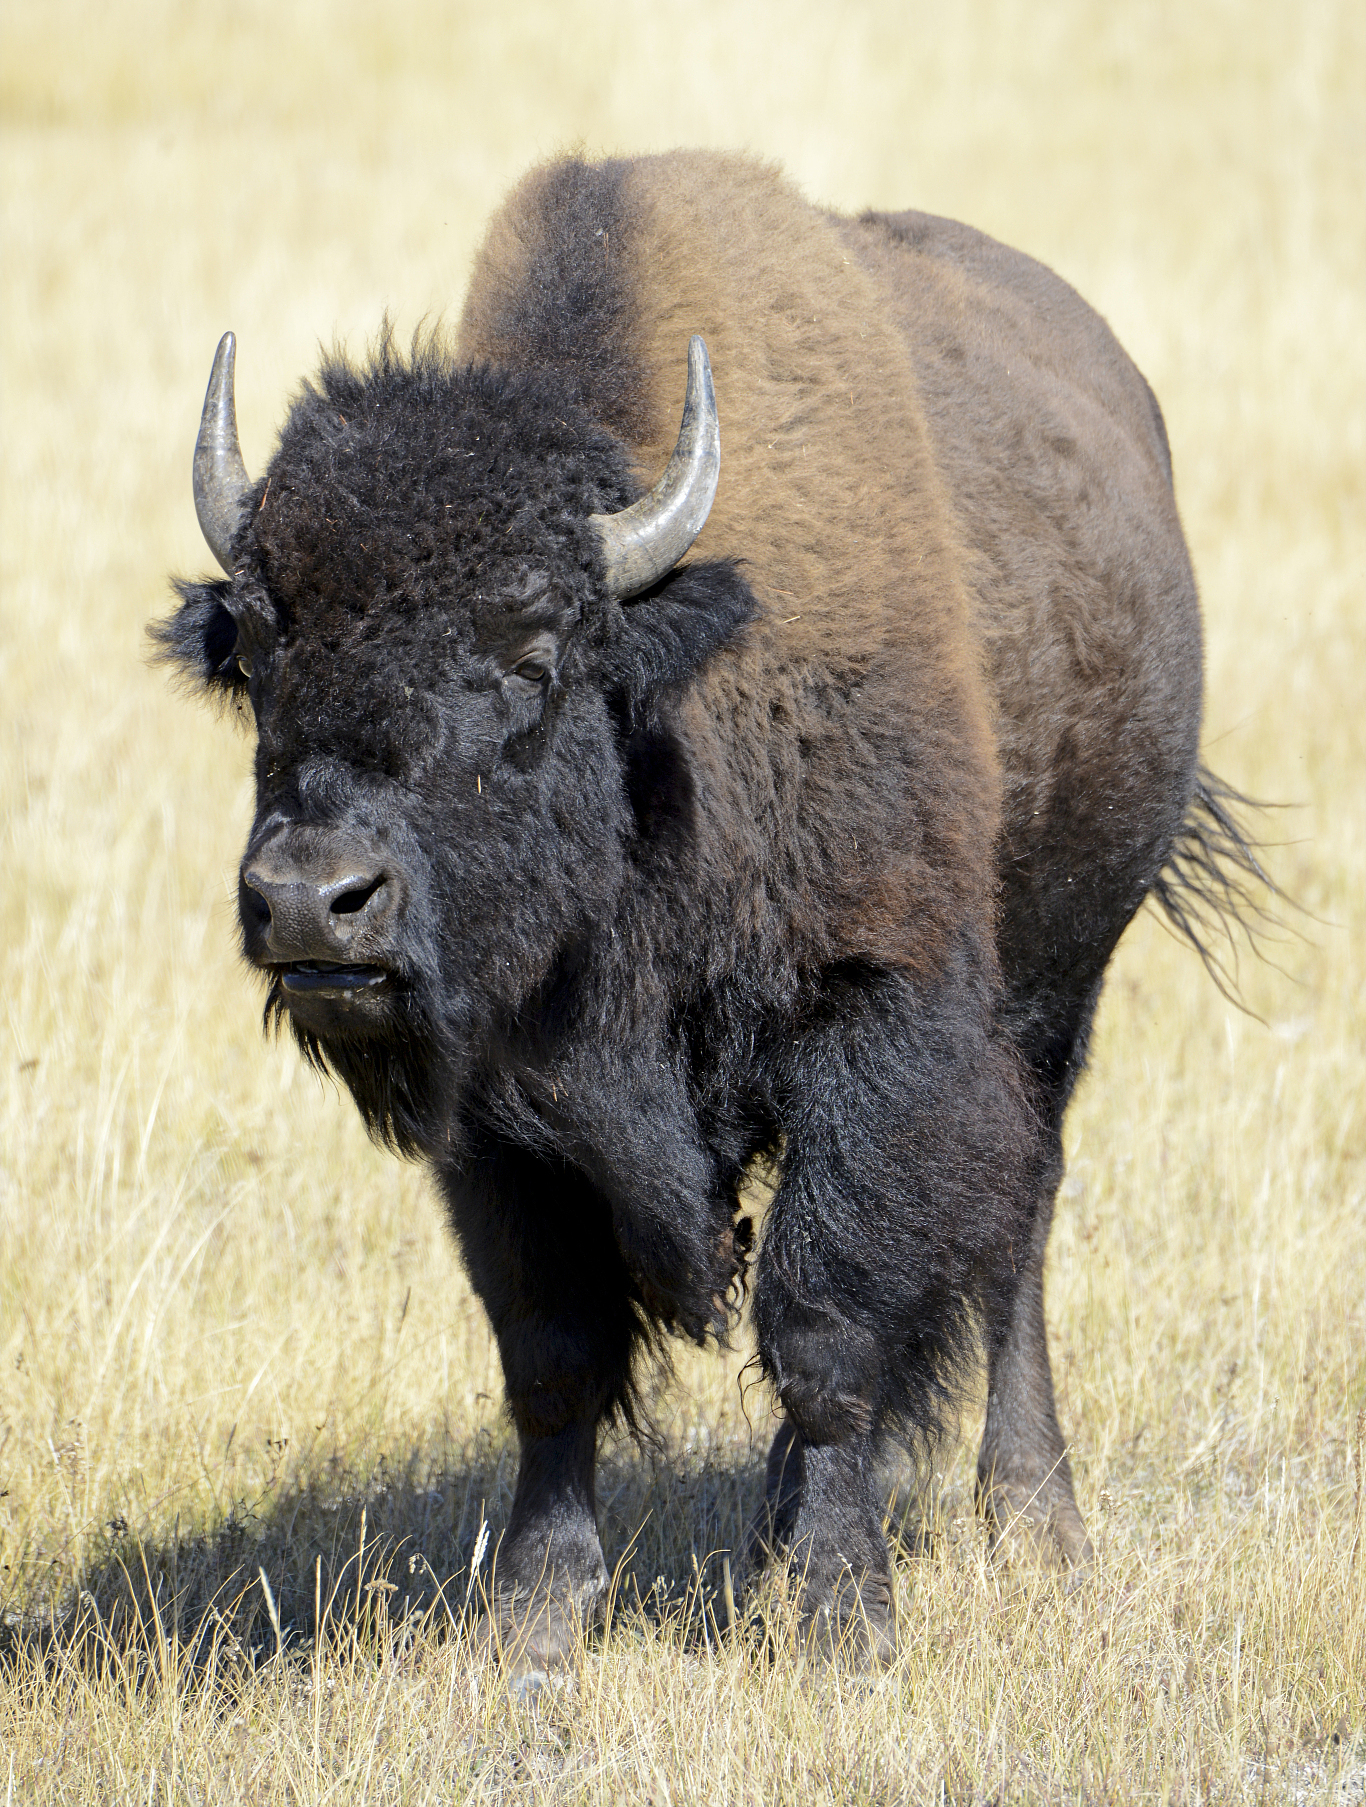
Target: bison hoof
1036	1523
852	1623
536	1635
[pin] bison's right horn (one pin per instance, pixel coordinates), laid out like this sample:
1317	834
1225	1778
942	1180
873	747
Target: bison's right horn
646	540
221	483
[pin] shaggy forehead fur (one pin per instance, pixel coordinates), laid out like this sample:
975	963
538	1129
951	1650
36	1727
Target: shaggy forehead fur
413	486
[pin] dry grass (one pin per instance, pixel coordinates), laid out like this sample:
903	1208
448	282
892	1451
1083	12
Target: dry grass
234	1342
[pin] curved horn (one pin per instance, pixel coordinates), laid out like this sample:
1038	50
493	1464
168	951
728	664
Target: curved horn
646	540
221	483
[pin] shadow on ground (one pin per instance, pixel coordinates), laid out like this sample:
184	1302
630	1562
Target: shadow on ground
332	1555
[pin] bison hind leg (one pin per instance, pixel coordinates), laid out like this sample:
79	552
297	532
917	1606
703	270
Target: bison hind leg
771	1530
1024	1478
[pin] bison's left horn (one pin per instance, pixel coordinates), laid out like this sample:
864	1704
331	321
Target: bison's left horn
646	540
221	483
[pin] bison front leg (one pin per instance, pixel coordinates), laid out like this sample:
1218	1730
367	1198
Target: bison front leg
906	1181
548	1578
821	1515
1024	1479
537	1242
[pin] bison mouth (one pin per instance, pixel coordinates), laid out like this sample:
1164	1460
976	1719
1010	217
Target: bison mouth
307	980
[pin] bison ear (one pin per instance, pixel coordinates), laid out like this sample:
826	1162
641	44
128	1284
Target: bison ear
199	641
669	633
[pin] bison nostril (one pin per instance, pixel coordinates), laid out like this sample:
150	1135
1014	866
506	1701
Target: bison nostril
352	902
255	903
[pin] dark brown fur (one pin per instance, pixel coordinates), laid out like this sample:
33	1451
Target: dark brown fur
860	669
818	850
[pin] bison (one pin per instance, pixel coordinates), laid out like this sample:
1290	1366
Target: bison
612	839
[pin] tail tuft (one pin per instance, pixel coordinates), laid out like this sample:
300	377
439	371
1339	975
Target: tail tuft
1212	884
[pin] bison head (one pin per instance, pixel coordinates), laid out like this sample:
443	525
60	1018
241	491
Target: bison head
450	617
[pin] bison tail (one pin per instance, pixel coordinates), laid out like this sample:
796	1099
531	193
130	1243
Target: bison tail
1213	887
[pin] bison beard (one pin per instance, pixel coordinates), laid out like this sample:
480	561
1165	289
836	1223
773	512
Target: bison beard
597	870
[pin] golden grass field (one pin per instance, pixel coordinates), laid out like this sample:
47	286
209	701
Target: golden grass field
234	1342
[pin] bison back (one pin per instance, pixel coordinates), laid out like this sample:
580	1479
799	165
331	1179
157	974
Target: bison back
1054	452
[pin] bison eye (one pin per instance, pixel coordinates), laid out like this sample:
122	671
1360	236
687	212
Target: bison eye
530	671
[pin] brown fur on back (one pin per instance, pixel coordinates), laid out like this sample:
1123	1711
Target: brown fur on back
1054	451
863	676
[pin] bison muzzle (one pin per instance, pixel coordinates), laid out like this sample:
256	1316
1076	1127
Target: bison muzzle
611	838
